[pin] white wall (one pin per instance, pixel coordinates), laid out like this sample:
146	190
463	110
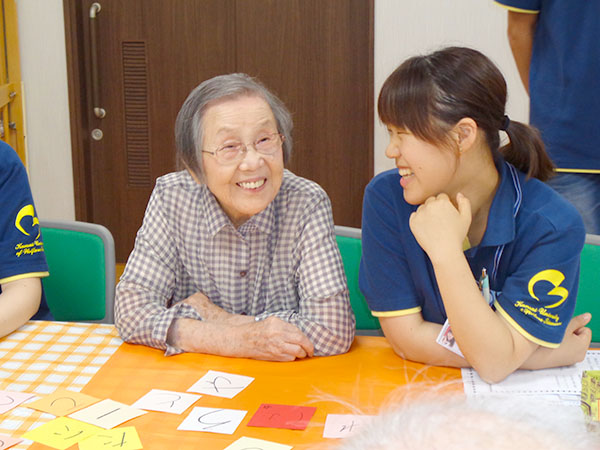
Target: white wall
402	28
48	138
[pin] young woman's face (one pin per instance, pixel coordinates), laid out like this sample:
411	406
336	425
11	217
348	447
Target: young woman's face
425	169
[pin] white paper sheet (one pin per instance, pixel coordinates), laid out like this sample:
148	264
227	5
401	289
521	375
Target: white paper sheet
561	382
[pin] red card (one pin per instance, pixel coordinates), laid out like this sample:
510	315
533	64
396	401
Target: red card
282	416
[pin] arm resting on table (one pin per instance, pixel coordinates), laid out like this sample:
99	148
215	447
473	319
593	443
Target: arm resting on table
414	339
328	323
19	301
281	335
572	349
271	339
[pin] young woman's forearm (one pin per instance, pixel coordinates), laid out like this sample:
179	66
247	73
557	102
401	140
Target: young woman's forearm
489	344
413	338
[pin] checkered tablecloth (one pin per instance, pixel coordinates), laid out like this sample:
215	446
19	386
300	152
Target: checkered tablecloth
41	357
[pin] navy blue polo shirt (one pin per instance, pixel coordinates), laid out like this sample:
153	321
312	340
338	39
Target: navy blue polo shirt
21	247
530	249
563	79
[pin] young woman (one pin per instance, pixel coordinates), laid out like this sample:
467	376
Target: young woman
22	256
462	212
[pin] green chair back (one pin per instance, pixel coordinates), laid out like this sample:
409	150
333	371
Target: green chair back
350	245
81	263
588	296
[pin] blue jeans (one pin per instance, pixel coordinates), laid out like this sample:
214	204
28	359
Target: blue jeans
583	191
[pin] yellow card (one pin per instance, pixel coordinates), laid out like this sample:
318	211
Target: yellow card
62	432
125	438
63	402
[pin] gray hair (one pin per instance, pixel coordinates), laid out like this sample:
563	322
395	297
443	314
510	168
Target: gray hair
449	422
189	128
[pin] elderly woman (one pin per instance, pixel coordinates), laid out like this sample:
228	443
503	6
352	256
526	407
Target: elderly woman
236	255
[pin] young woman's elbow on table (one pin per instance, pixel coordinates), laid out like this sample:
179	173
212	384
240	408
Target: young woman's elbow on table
496	370
494	362
413	338
493	374
405	336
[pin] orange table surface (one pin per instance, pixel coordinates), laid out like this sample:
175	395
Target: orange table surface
367	380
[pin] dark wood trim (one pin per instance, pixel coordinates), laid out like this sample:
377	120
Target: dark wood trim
371	105
76	87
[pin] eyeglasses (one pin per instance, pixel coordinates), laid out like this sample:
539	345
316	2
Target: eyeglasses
232	152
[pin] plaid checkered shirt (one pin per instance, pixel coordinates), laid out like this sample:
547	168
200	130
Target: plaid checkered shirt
283	262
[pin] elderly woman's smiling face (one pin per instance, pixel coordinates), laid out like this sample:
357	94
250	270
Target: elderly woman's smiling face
243	187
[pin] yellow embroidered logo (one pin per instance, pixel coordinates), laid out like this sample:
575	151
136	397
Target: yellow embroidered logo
26	211
541	314
554	277
33	247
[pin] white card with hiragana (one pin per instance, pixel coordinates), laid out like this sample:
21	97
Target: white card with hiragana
343	425
166	401
213	420
221	384
107	414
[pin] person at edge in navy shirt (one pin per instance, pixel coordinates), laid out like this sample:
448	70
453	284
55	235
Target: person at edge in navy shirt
22	258
458	204
555	47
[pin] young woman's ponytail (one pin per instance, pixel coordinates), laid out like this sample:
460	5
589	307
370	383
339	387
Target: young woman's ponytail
526	150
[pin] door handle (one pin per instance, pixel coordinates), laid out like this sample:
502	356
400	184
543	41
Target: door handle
99	112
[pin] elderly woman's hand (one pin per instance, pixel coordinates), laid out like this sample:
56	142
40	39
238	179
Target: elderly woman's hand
271	339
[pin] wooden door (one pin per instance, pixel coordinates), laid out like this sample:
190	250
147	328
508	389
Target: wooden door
12	125
315	54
